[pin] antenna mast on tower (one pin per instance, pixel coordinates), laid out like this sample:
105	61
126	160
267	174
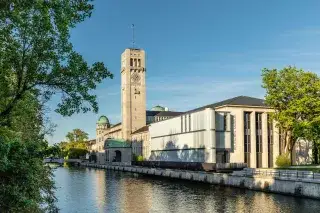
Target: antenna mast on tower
133	41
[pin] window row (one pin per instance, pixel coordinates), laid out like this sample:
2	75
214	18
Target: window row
135	62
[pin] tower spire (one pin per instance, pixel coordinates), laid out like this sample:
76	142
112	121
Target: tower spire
133	41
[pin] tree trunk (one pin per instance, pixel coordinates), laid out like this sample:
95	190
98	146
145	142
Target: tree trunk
289	146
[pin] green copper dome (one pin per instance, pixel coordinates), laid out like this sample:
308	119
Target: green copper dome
103	120
158	108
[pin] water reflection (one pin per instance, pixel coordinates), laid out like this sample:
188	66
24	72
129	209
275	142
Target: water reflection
94	190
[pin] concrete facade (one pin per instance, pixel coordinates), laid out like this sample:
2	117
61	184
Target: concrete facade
212	135
306	186
226	132
133	91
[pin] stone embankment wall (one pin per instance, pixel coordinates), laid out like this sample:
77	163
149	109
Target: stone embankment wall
303	187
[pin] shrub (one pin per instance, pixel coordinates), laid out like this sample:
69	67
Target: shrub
283	160
139	158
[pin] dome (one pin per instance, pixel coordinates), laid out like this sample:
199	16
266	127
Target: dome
158	108
103	120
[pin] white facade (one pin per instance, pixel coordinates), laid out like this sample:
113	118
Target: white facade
215	135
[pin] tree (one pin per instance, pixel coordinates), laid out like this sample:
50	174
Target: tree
77	144
77	135
37	61
294	95
25	183
37	57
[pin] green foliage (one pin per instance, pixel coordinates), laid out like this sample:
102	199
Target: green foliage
25	182
77	146
283	160
36	56
77	135
38	61
139	158
76	153
294	94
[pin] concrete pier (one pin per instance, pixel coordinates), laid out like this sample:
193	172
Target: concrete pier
289	185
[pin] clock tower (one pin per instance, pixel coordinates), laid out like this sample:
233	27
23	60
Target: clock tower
133	91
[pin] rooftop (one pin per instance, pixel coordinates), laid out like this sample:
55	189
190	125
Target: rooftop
142	129
116	143
236	101
162	113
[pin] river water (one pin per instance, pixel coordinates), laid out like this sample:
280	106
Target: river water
96	190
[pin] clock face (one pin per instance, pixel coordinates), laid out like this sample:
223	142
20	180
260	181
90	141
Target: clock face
135	77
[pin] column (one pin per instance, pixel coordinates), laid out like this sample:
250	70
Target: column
265	140
210	143
253	154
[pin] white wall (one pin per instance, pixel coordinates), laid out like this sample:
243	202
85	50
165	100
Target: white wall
183	138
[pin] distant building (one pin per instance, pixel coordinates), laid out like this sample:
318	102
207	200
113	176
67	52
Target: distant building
236	130
133	129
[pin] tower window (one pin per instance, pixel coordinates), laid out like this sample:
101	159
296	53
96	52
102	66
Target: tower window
131	62
139	63
135	62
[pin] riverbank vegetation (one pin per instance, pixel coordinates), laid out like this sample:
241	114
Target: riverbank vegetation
37	61
76	146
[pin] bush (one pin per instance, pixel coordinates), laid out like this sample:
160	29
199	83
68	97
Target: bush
139	158
283	161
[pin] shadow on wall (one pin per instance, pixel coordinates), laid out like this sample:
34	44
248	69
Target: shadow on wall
303	152
172	152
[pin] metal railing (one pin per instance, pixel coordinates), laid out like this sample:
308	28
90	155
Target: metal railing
294	174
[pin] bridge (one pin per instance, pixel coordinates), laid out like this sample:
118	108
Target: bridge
61	160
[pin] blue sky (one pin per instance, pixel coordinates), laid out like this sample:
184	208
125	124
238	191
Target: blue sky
198	52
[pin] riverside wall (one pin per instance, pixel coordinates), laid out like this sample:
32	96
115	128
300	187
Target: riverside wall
302	187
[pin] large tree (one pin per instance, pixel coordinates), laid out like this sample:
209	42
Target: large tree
36	56
295	96
37	61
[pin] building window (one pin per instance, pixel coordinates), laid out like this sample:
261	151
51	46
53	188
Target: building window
181	124
131	62
225	122
247	138
139	63
259	139
270	141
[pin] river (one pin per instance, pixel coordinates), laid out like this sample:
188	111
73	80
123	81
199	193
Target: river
96	190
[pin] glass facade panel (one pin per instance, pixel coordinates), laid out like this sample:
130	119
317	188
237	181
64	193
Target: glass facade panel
247	138
259	139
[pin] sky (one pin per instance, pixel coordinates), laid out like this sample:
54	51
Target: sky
197	52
